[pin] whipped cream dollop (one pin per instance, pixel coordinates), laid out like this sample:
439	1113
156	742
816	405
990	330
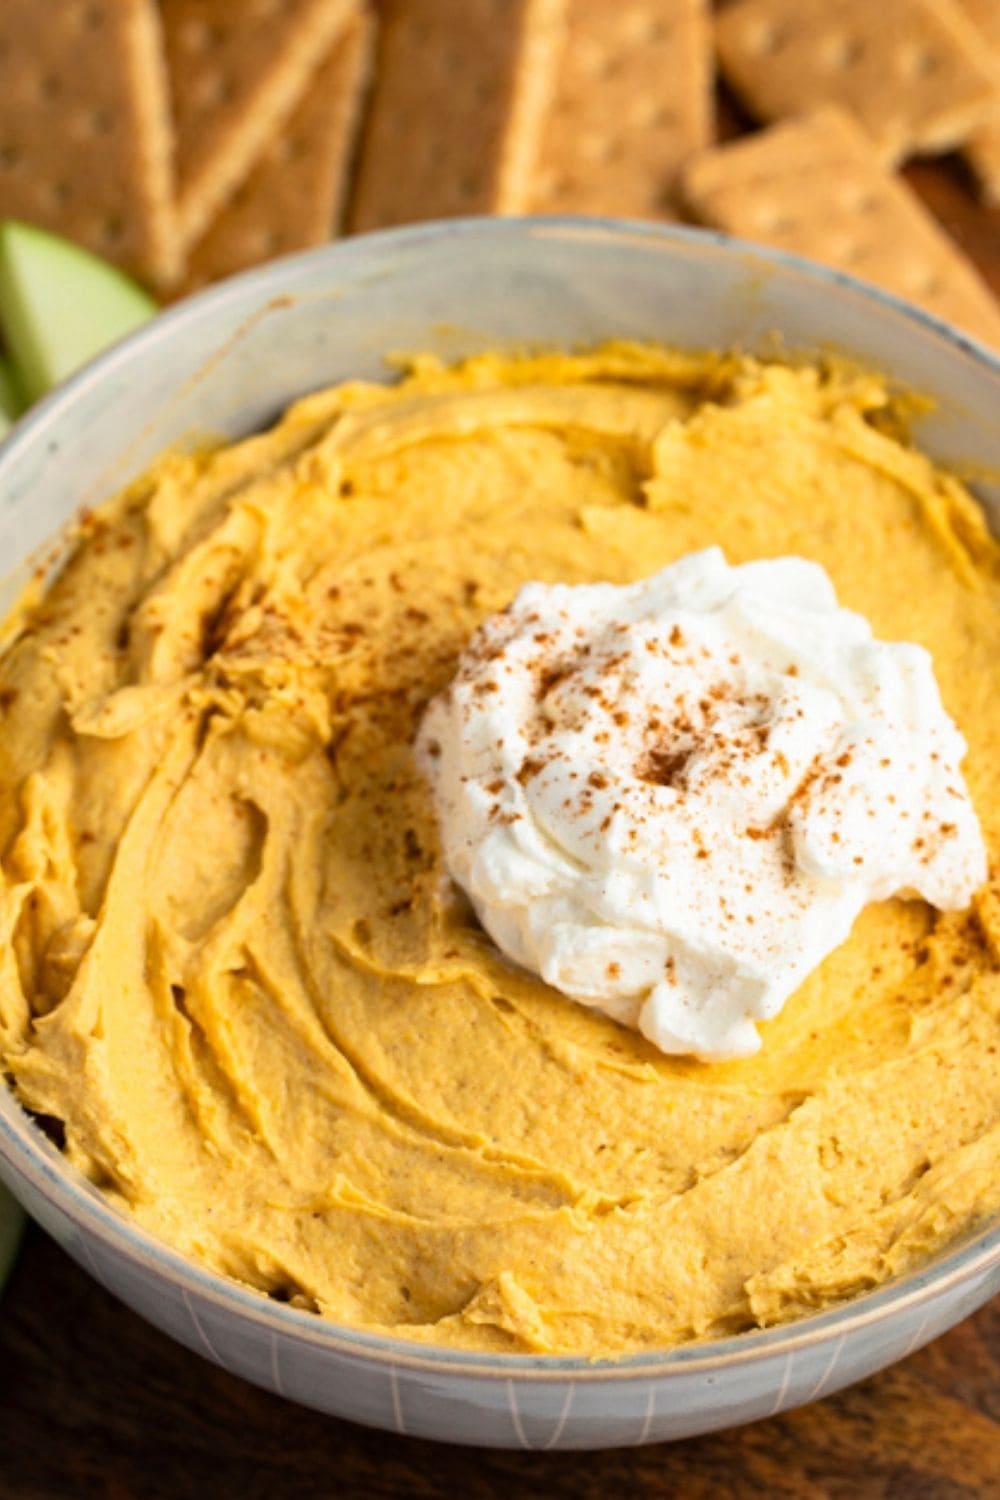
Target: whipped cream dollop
672	799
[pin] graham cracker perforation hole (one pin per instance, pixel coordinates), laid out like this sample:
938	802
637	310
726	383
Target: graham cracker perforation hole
919	62
214	91
61	192
599	63
113	229
845	251
770	39
200	36
842	51
774	221
645	30
860	201
659	116
289	148
602	147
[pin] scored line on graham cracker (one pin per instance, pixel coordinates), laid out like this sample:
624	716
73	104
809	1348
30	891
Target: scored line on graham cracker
236	73
294	196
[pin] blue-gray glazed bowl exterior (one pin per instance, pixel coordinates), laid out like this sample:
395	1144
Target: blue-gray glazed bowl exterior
227	362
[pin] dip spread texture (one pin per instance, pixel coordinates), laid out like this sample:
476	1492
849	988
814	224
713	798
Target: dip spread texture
231	968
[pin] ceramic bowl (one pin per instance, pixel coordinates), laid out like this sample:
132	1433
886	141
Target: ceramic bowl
227	362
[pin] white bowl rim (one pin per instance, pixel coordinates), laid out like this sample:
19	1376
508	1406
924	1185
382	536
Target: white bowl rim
29	1155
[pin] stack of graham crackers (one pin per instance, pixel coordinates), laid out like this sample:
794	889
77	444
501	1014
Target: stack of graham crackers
187	139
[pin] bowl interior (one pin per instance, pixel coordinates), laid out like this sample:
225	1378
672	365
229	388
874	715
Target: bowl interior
227	362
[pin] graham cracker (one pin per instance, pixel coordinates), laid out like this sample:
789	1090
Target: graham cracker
985	16
460	93
294	196
236	73
86	140
633	99
910	71
982	149
814	185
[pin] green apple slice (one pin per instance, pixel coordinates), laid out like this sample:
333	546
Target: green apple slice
60	305
11	1227
10	404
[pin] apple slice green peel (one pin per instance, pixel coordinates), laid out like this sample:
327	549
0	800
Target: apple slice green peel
10	403
59	306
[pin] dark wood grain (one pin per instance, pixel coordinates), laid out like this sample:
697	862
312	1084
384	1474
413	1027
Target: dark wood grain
98	1404
946	188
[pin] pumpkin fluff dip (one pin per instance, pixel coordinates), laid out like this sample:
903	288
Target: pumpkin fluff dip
508	859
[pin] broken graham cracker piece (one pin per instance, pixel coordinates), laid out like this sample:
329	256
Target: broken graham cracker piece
85	134
460	93
814	185
294	196
982	149
632	100
909	70
236	73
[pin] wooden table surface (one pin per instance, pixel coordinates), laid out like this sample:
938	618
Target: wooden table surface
96	1403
